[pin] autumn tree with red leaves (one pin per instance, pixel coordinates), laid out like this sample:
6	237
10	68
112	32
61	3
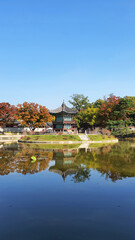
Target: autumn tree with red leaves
108	110
7	114
33	115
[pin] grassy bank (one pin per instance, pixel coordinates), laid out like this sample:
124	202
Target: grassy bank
51	138
100	137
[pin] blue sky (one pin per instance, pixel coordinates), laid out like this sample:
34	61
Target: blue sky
51	49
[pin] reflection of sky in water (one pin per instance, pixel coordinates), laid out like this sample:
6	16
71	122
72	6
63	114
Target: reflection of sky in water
36	203
51	163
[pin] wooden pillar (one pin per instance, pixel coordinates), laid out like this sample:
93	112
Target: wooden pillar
63	124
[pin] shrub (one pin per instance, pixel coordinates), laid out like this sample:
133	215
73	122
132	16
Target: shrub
104	131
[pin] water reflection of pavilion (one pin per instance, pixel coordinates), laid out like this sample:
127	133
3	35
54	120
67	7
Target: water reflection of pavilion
113	161
64	162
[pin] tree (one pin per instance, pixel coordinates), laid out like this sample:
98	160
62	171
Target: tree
33	115
7	114
86	118
124	107
126	110
125	116
108	110
79	101
98	103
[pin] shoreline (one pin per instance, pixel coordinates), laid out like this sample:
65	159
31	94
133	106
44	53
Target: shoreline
69	142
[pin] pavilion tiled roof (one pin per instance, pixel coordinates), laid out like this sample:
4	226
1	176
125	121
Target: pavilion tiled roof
63	108
63	173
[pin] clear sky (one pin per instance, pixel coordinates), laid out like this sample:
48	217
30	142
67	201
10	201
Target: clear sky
51	49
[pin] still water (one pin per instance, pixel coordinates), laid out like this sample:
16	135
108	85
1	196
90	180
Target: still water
67	193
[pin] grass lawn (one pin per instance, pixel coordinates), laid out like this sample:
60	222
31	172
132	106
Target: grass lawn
51	138
100	137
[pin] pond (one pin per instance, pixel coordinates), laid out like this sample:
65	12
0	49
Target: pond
67	192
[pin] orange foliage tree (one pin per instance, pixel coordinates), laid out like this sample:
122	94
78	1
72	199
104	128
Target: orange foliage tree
33	115
7	114
108	110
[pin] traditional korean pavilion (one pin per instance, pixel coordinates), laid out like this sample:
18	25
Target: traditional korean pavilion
63	118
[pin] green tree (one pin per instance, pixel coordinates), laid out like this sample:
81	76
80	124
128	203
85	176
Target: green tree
79	101
124	108
86	118
97	103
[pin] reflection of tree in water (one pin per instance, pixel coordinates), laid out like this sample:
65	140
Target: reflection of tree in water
119	163
7	156
19	160
114	162
25	165
113	175
82	174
